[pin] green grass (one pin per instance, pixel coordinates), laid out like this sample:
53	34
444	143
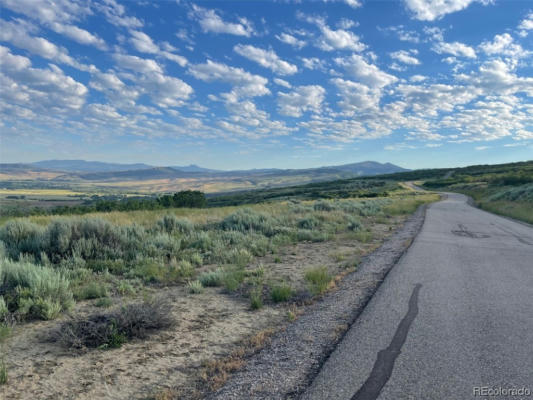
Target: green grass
256	300
195	287
318	279
281	293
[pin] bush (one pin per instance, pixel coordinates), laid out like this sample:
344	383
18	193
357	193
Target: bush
232	278
256	301
280	293
195	287
93	290
3	309
112	329
354	224
21	237
211	278
171	224
323	205
318	279
34	291
247	220
308	223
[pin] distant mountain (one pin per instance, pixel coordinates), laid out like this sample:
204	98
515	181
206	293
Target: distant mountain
368	168
87	166
194	168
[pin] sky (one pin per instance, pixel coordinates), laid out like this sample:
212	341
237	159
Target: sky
260	84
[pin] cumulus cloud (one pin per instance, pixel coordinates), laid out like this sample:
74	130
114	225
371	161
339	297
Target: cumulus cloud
503	45
137	64
244	83
526	25
291	40
430	10
356	97
266	58
115	14
366	73
302	99
339	39
210	21
282	82
405	57
144	44
456	49
17	34
41	90
58	16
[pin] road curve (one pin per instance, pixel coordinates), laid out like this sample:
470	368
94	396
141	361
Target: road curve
454	314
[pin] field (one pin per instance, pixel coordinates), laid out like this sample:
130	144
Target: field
155	303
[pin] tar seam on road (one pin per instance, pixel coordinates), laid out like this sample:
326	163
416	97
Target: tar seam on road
382	370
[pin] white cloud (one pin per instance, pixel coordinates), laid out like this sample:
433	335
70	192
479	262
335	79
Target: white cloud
430	10
17	34
526	25
210	21
116	14
137	64
301	100
338	39
367	73
291	40
313	63
455	48
143	43
266	58
244	83
356	97
282	82
417	78
496	77
42	90
405	57
503	45
404	35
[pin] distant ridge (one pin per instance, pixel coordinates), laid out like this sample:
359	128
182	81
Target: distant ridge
93	170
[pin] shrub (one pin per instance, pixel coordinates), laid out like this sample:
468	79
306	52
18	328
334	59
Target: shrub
171	224
211	278
195	287
125	288
318	279
323	205
3	309
93	290
240	257
112	329
308	223
21	236
247	220
104	302
232	278
354	224
34	291
256	301
281	293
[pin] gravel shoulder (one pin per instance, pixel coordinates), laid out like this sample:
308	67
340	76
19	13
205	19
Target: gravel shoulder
284	369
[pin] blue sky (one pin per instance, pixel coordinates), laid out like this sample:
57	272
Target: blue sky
254	84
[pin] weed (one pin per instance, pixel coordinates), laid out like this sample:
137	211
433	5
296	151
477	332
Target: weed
211	278
195	287
280	293
104	302
3	372
93	290
256	299
318	279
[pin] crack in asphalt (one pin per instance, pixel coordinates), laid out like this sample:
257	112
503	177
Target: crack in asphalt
382	370
463	231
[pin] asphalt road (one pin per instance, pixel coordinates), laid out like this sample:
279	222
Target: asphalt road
455	313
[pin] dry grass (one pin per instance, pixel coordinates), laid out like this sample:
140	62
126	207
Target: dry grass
217	372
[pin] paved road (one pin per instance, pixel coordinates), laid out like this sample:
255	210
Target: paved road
454	314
